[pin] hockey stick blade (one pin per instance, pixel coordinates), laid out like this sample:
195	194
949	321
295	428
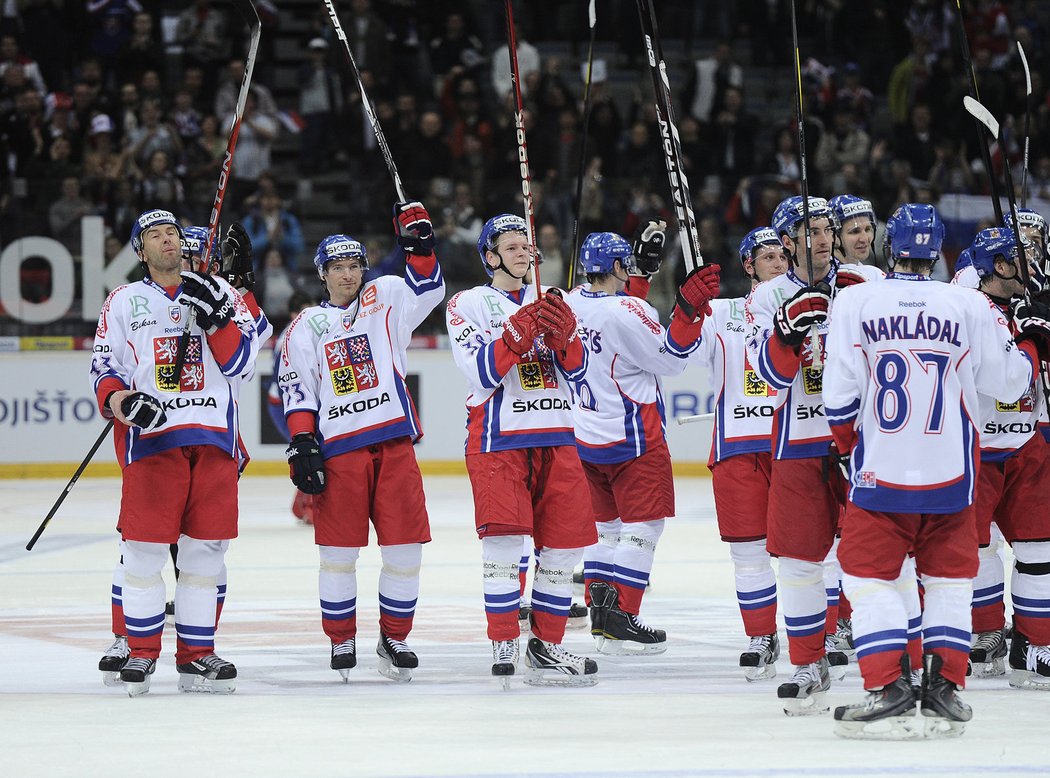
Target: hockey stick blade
1027	72
981	114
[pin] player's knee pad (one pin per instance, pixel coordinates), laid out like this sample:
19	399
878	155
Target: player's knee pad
957	591
609	532
338	559
799	573
503	548
1032	558
862	590
556	565
988	554
143	563
201	557
402	561
643	535
750	556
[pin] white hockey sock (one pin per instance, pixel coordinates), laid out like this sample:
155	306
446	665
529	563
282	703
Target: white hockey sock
1030	590
399	582
337	586
908	588
880	616
599	557
500	565
116	597
634	561
200	562
946	620
756	586
527	552
804	603
552	589
832	578
988	588
143	590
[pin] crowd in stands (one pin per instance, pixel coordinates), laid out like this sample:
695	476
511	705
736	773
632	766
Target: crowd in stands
110	107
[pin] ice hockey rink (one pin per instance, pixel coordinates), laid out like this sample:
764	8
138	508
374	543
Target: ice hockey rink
684	713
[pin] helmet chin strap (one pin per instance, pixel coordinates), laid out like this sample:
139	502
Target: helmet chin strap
502	266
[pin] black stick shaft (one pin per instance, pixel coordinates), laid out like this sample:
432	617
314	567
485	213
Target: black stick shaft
583	154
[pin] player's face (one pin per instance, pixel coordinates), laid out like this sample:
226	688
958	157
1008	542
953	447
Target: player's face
821	235
857	235
768	262
162	249
344	278
514	248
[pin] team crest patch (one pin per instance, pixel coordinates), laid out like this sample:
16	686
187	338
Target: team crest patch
864	479
753	385
351	365
812	380
165	350
1025	405
348	321
175	313
537	375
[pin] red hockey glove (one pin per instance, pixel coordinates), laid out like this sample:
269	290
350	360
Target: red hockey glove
415	232
846	276
557	321
522	328
697	291
796	317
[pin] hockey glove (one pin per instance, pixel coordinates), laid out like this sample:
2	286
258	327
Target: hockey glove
697	291
415	232
1032	320
202	292
797	316
846	276
521	329
236	258
306	464
839	460
557	322
648	248
143	411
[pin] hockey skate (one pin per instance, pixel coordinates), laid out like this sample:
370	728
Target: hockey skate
885	714
524	618
396	659
844	637
209	675
946	715
578	616
759	659
504	661
988	654
136	673
113	661
549	664
803	695
1029	665
344	658
169	611
621	632
837	660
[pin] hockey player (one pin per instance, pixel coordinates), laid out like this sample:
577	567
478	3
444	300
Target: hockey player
179	470
855	229
517	354
619	425
906	360
740	457
353	424
783	313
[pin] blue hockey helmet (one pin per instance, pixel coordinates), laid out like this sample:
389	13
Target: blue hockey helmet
991	243
600	251
915	231
760	236
194	239
1026	217
494	227
338	247
965	259
847	206
789	214
147	219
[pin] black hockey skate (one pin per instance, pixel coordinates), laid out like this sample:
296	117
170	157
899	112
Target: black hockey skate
113	661
344	657
136	674
844	636
803	694
946	715
838	661
549	664
208	675
988	654
885	714
578	616
623	633
1029	665
603	597
396	659
504	660
759	659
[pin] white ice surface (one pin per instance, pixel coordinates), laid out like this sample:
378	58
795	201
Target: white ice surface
686	712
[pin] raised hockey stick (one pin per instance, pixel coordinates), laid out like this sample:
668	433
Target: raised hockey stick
592	20
523	150
800	118
669	139
370	112
69	487
251	16
1027	122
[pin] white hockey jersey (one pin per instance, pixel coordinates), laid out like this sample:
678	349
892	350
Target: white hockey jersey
511	402
619	409
136	343
800	428
348	365
744	403
906	360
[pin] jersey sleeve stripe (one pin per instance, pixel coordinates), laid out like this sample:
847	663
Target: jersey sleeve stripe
845	414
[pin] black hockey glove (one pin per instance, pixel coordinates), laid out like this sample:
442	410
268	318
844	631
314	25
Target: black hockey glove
305	463
237	261
1032	319
143	411
795	318
415	232
648	248
839	460
213	305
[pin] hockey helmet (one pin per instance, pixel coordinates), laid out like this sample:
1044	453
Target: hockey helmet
1026	217
147	219
338	247
847	206
789	214
194	239
991	243
494	227
760	236
600	251
965	259
915	231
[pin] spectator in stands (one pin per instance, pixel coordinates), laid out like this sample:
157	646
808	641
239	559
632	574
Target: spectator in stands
226	94
640	158
844	143
45	38
143	52
185	118
455	47
10	55
908	80
111	28
126	116
254	146
915	141
429	157
732	139
855	97
151	88
555	269
320	101
152	134
951	171
22	127
270	225
158	186
528	68
65	213
704	92
104	162
276	284
369	39
202	31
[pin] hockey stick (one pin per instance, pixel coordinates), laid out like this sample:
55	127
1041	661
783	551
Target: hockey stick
373	120
523	151
1027	122
251	16
697	417
591	19
69	487
817	361
986	156
669	139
